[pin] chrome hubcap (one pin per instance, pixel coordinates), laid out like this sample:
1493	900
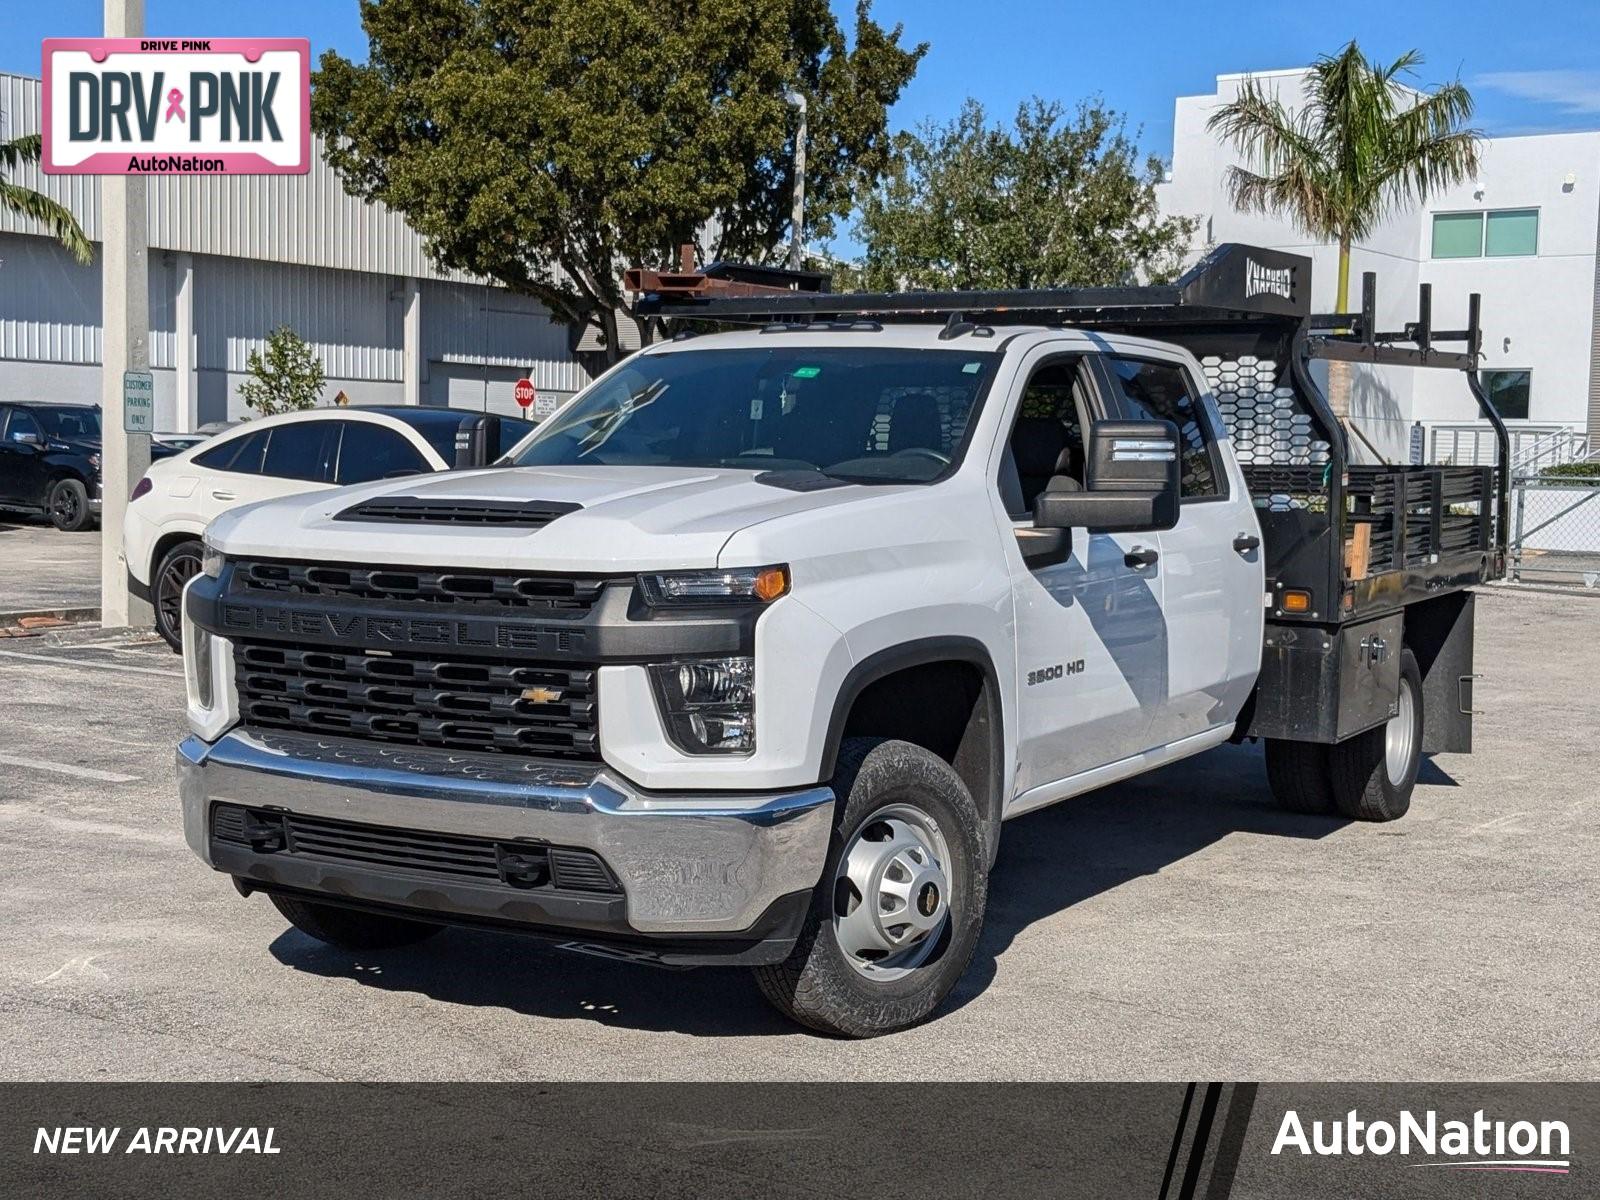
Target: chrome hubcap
892	893
1399	735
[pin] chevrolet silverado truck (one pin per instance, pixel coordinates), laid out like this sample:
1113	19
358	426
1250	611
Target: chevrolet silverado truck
747	655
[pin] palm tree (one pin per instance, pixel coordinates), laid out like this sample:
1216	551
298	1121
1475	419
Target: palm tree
1361	146
28	203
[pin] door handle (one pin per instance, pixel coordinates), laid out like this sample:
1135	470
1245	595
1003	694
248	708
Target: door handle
1141	556
1246	542
223	496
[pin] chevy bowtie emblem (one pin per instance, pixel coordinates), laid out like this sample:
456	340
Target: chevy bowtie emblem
541	695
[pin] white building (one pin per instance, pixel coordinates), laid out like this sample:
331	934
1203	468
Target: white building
231	259
1523	234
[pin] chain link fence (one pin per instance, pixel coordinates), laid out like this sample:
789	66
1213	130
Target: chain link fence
1555	527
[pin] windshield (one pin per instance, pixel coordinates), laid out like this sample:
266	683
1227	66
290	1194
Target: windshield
70	424
864	414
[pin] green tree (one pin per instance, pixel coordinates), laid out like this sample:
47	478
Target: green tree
26	202
1051	200
1359	146
288	378
549	146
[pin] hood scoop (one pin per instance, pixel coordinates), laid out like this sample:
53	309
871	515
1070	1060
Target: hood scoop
485	514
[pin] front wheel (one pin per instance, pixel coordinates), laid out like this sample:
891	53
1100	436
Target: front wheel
68	505
177	566
896	916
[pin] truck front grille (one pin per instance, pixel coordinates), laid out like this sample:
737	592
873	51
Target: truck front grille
420	700
466	589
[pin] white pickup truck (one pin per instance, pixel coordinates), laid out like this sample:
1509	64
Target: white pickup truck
747	654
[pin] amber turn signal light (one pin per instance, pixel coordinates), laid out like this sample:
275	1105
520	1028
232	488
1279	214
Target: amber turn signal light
1295	600
771	583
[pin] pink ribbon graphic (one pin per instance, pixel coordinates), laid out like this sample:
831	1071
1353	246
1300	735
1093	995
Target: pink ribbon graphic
175	105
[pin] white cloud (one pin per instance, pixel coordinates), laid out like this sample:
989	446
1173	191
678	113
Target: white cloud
1574	92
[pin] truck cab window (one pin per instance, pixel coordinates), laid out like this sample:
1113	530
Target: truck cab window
1157	391
863	414
1047	437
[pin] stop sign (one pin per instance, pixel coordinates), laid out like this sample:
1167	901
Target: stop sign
524	392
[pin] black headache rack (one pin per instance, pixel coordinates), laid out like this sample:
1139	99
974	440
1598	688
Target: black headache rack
1359	540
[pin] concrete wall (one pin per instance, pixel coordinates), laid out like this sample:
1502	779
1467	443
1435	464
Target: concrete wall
1539	312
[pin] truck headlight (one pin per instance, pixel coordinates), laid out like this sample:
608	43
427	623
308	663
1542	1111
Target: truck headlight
210	560
709	704
736	585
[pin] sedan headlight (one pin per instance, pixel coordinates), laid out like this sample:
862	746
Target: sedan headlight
709	704
735	585
210	560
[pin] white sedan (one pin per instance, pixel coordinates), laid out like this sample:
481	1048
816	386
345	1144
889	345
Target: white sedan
269	457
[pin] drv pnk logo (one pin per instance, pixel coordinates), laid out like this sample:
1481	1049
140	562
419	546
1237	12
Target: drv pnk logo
150	106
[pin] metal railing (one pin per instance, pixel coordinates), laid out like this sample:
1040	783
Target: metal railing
1555	529
1472	443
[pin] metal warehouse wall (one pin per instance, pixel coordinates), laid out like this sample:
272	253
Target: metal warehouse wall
485	327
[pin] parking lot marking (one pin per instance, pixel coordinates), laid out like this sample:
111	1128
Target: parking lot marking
40	764
47	658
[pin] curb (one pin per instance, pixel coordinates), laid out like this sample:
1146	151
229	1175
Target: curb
33	622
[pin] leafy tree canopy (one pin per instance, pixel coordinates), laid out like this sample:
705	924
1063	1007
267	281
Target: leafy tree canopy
547	146
288	378
1054	199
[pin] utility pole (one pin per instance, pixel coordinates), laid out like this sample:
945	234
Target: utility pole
798	215
125	357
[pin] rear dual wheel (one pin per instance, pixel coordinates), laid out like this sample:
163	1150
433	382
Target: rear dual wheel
1369	777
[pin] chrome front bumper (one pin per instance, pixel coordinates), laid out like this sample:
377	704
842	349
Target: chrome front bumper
709	863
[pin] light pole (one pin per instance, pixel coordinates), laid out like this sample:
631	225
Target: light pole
797	217
125	357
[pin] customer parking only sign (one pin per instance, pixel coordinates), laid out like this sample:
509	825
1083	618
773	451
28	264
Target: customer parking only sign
168	106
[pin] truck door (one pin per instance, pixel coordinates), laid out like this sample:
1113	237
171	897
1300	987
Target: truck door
1211	561
1091	643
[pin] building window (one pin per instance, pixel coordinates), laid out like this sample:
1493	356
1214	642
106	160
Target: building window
1509	390
1457	235
1512	231
1503	233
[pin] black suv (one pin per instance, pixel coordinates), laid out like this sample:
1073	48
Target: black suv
50	461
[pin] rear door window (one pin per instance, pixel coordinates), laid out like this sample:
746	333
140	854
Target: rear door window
241	455
369	451
302	451
1159	391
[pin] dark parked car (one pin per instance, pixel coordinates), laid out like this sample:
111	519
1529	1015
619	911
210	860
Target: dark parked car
50	460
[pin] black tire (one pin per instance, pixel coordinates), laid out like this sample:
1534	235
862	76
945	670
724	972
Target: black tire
1364	786
1297	772
817	985
174	569
352	929
68	506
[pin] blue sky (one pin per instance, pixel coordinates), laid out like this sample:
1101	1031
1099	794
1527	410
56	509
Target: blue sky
1532	68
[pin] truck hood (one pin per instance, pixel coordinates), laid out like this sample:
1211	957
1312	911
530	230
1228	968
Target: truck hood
623	516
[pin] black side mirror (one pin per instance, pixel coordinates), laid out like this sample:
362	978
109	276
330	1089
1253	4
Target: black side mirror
478	441
1132	482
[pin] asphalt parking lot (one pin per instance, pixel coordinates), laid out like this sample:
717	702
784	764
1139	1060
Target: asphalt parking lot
43	569
1177	926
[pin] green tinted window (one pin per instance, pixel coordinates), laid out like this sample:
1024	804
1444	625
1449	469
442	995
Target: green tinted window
1457	235
1510	391
1512	231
